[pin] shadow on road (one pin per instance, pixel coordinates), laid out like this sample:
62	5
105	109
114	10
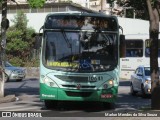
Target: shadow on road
124	83
29	86
79	106
126	100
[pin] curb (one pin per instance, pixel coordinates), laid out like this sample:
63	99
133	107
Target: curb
7	98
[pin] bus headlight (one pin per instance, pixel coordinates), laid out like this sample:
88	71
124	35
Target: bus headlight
49	82
107	84
110	82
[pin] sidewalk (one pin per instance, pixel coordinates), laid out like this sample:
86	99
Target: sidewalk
7	98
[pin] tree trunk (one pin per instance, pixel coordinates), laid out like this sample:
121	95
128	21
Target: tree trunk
154	33
2	46
155	96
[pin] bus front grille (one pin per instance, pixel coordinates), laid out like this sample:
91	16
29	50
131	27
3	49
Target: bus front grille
82	79
78	94
83	86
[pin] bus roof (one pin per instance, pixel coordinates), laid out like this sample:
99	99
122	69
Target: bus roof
137	36
81	14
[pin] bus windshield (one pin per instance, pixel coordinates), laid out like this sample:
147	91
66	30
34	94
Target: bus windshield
84	46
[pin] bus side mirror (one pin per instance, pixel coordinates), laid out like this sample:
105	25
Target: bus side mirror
38	40
122	47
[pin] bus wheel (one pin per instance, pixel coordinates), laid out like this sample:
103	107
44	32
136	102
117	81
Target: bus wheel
19	80
50	104
109	105
133	92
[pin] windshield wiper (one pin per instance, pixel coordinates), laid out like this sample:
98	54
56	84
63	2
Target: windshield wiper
66	39
68	43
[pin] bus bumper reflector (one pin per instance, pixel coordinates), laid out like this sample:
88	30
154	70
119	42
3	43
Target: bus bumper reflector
106	95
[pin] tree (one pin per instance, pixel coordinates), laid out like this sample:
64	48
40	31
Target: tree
153	12
36	3
139	6
33	4
19	40
2	46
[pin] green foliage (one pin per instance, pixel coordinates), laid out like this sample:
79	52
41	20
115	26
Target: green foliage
20	21
140	7
16	61
36	3
19	40
32	63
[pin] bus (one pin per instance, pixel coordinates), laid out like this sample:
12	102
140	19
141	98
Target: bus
137	53
79	58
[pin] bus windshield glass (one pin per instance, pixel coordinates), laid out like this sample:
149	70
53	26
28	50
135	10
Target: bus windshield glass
82	49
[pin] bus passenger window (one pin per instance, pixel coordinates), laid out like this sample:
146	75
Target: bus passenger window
139	53
134	48
147	52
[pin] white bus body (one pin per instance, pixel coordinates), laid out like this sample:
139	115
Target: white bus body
134	42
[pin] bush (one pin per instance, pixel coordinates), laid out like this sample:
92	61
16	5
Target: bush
16	61
32	63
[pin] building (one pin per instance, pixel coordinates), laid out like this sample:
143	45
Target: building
36	16
96	5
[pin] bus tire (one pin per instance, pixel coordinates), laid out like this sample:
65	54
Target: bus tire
19	80
109	105
133	92
50	104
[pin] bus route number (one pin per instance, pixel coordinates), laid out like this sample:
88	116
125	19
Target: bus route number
95	78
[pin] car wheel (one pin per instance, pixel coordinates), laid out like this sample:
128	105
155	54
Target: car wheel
143	91
133	92
50	104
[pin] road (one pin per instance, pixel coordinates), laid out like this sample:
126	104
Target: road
27	93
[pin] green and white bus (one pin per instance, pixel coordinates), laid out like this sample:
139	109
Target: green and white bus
79	58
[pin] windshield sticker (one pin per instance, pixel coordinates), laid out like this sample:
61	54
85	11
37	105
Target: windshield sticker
62	64
85	64
97	62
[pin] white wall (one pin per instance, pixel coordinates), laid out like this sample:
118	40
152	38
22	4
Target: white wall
35	20
134	26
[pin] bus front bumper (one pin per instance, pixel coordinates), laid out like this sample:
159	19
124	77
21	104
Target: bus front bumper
101	95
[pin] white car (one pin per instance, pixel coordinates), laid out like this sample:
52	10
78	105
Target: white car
141	81
14	73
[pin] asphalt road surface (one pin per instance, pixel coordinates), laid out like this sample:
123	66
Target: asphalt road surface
27	93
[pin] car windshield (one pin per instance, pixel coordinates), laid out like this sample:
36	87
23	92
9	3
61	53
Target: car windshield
147	71
7	64
81	50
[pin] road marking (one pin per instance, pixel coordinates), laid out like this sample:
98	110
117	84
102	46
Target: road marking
3	108
19	108
24	109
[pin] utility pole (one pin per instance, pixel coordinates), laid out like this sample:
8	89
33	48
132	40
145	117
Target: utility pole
4	26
